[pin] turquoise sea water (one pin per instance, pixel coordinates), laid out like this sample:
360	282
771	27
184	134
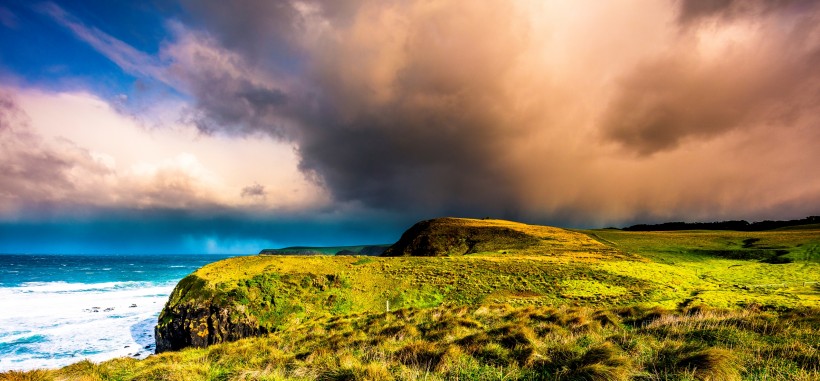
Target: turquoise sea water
59	309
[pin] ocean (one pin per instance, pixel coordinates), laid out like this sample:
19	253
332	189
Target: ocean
59	309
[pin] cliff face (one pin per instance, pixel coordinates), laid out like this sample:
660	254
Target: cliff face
200	326
195	317
250	296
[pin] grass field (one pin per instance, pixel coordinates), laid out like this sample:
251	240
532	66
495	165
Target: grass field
724	268
568	305
498	342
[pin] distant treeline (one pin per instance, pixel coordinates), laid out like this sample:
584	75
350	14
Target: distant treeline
724	225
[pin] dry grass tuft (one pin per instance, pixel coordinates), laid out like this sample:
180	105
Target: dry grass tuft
713	364
34	375
420	354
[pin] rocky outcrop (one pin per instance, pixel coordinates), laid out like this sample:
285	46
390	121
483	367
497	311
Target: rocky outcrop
457	236
197	317
191	325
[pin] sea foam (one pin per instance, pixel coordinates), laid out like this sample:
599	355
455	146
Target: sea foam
52	324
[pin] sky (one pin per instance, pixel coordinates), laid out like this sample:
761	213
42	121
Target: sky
186	126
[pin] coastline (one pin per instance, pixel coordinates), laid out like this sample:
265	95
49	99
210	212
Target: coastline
62	309
55	329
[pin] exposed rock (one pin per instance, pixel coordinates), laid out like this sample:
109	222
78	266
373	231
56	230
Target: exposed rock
200	326
192	318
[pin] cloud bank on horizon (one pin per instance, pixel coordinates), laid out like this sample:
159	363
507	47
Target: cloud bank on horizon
579	114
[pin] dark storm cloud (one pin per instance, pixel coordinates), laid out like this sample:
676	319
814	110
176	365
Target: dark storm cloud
405	115
452	108
267	31
585	112
230	94
257	28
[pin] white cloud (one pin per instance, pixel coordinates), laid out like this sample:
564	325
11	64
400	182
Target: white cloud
76	149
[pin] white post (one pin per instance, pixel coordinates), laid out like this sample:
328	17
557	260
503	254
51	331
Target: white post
387	304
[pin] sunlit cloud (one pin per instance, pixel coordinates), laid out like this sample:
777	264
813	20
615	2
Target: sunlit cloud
73	150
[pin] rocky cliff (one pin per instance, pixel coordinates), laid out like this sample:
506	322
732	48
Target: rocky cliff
249	296
196	317
202	325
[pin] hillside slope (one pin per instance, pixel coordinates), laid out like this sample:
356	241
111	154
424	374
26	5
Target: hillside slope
247	296
460	236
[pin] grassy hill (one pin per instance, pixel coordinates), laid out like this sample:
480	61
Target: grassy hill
490	299
464	236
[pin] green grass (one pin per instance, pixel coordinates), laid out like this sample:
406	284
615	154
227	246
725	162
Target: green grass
279	290
669	269
694	263
498	342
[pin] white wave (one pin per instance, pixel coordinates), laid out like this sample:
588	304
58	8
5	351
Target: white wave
77	320
66	287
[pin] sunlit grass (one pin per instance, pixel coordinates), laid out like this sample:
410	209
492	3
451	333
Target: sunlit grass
668	269
498	342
